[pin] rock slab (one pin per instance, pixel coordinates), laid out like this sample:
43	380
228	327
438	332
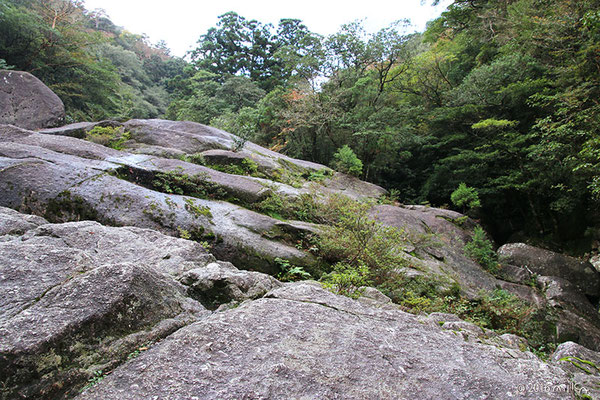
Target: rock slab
303	342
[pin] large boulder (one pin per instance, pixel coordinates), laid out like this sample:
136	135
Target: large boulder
80	298
303	342
26	102
548	263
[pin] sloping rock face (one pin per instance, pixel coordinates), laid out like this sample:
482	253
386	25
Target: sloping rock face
333	347
26	102
443	253
548	263
176	139
79	298
57	175
129	312
66	179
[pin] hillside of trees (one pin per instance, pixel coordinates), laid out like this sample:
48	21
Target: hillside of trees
501	95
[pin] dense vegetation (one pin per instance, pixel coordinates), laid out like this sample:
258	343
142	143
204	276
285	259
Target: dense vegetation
498	95
99	70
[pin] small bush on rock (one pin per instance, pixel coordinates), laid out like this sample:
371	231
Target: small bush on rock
290	272
108	136
346	279
480	249
355	239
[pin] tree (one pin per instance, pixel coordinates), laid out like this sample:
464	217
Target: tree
347	162
465	197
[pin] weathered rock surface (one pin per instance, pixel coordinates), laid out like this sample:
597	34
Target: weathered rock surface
333	347
439	237
176	139
584	366
15	223
576	318
73	181
64	178
78	129
80	297
26	102
219	284
547	263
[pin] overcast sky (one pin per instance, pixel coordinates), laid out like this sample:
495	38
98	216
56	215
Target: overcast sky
180	22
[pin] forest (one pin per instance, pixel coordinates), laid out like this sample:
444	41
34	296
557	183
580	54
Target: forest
497	100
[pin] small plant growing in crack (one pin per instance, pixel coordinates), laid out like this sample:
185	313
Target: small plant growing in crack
96	378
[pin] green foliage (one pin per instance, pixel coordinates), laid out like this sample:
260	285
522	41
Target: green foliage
318	176
465	197
347	162
96	69
196	158
243	124
417	294
108	136
96	378
196	210
238	46
347	279
497	310
481	250
391	197
4	65
177	182
494	124
354	239
586	366
273	205
289	272
245	167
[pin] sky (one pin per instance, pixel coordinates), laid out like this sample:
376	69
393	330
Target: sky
181	22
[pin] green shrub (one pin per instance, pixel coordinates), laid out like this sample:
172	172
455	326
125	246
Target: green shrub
196	158
108	136
354	238
415	294
4	65
481	250
289	272
465	197
273	205
392	197
347	162
244	124
346	279
318	176
246	167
